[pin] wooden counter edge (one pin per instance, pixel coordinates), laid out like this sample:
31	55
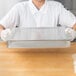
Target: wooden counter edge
71	49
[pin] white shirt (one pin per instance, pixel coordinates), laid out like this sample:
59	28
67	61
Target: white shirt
25	14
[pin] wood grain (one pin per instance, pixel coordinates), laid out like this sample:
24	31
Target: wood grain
20	62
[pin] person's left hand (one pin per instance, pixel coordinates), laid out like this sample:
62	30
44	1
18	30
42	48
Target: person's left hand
70	32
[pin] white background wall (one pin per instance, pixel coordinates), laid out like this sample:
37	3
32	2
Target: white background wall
5	6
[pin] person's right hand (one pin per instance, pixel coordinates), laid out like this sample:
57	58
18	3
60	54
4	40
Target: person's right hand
4	34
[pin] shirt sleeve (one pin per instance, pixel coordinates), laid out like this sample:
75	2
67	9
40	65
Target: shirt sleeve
66	18
11	19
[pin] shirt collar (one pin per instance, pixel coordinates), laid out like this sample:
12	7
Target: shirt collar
34	10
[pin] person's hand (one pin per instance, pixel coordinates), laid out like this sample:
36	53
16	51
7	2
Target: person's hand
4	34
70	32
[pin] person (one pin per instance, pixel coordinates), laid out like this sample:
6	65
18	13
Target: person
38	13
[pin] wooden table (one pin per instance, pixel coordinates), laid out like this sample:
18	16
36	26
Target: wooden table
37	62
